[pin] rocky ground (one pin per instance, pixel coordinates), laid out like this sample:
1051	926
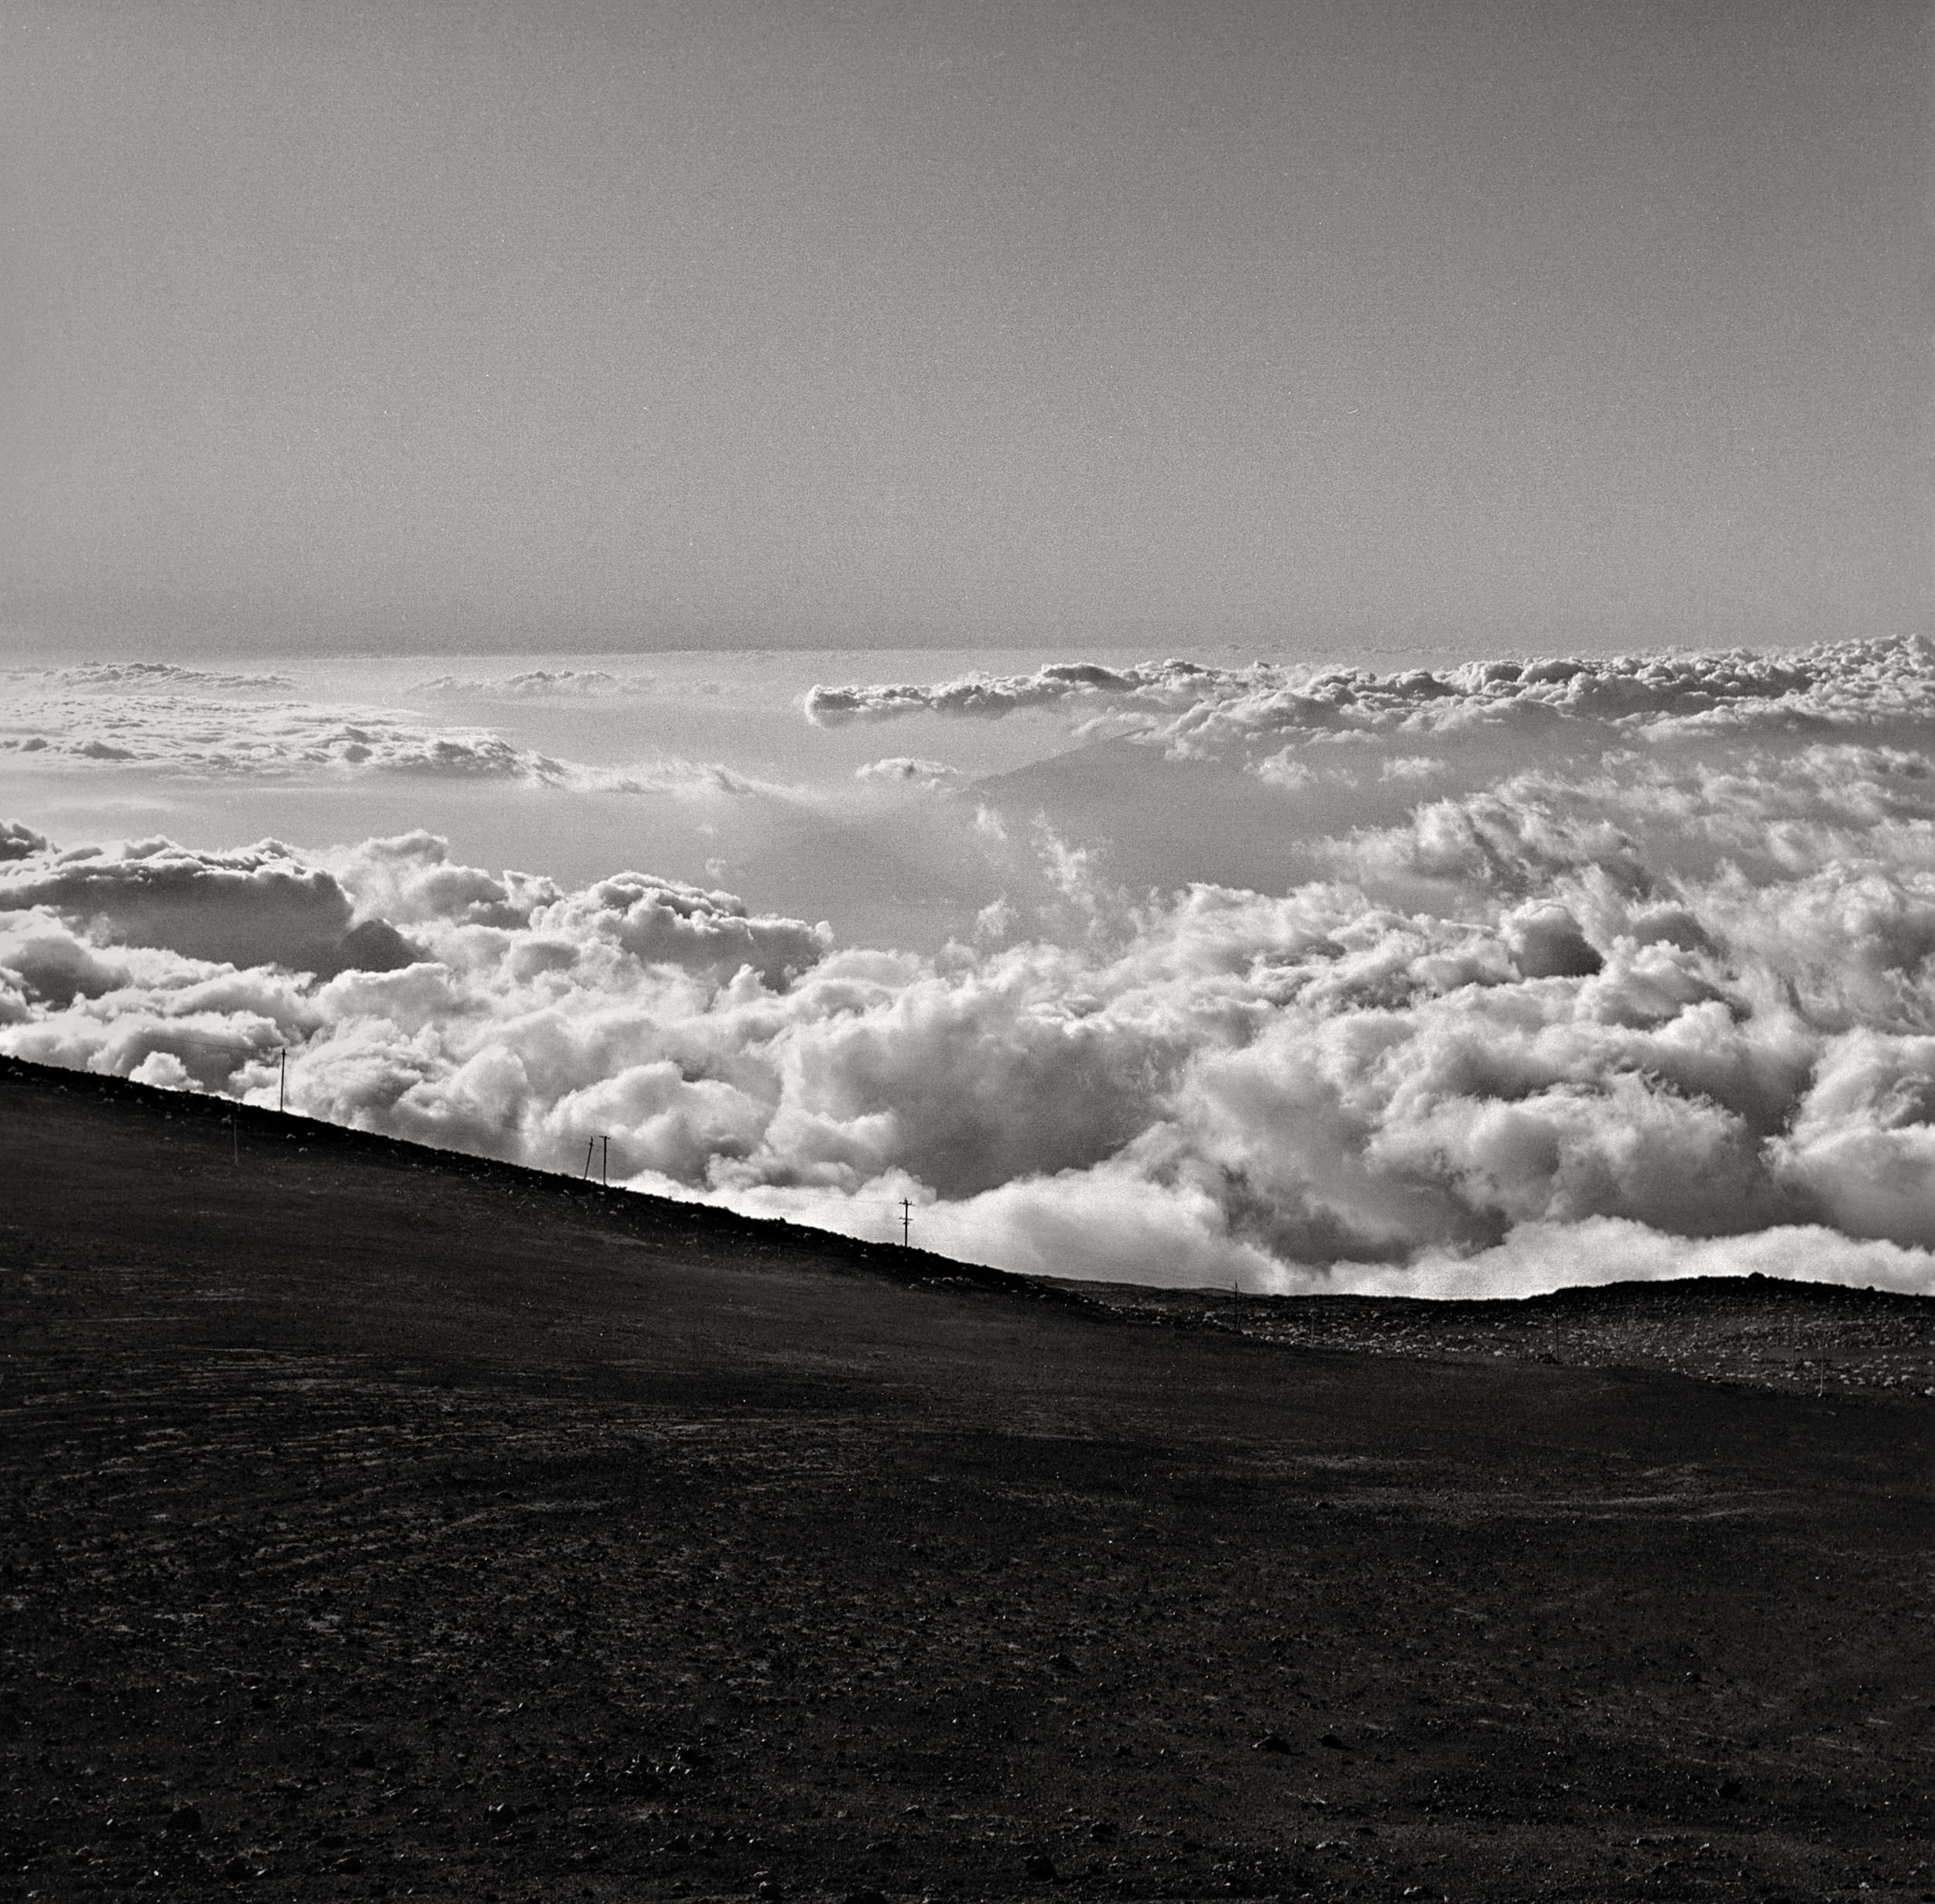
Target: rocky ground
1805	1338
383	1525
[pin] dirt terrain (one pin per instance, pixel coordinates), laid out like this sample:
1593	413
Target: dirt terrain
382	1523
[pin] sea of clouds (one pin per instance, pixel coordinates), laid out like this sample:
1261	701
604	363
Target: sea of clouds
1566	970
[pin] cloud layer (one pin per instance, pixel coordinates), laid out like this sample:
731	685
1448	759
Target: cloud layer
1655	997
537	684
109	716
125	677
1243	713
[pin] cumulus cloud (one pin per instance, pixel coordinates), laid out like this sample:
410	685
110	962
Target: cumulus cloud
986	696
20	842
1248	714
906	770
259	905
1643	1007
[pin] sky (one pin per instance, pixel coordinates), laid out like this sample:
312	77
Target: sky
417	327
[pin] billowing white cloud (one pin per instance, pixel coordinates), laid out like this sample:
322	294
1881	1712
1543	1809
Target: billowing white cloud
1656	1003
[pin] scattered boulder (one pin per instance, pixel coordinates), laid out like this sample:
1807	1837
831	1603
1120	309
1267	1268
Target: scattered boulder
1038	1866
1272	1742
1335	1744
184	1819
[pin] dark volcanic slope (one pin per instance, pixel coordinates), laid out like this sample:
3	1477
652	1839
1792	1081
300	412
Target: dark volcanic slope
383	1525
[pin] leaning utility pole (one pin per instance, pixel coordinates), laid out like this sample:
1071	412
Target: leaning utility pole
282	1082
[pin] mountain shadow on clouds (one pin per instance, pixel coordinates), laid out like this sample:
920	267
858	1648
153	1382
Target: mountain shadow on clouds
1168	816
374	946
1164	820
18	841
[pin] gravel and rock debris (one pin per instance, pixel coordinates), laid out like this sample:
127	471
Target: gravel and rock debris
1803	1338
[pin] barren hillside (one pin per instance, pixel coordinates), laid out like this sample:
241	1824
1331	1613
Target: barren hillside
386	1523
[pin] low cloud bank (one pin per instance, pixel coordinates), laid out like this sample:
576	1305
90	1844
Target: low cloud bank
71	724
1245	713
123	677
570	684
1636	1010
537	684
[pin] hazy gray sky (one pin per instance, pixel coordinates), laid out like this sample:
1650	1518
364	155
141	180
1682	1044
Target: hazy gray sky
570	324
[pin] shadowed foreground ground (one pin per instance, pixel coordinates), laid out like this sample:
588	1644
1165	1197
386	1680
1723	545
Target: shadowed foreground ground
381	1523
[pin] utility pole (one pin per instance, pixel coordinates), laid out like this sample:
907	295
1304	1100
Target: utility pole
608	1163
282	1082
591	1146
906	1219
